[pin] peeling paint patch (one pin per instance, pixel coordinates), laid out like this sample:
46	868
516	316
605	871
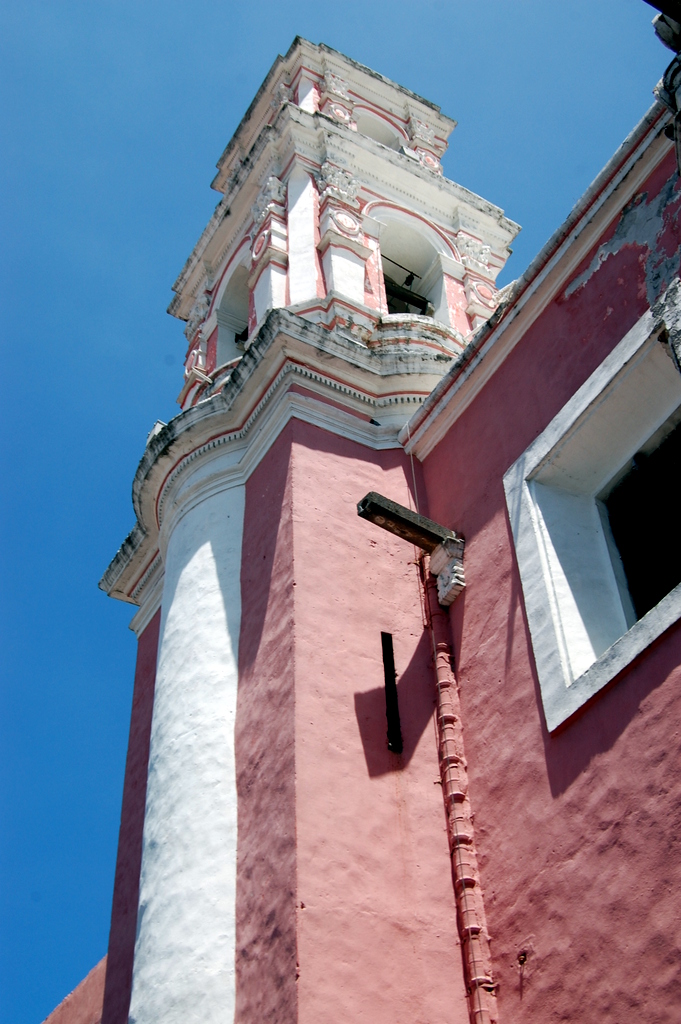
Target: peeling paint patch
649	224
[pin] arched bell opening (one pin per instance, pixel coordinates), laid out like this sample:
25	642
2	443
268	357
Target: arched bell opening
378	129
412	271
232	317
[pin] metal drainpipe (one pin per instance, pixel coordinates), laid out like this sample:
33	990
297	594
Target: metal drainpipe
475	947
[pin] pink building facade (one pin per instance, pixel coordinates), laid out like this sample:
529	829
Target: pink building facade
508	851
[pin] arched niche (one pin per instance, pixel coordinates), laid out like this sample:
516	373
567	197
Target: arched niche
378	129
232	317
412	267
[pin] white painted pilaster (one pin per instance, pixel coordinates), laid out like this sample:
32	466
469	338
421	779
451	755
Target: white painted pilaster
302	256
308	94
270	290
184	953
344	271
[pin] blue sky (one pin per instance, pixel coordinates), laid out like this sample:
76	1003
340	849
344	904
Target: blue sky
113	117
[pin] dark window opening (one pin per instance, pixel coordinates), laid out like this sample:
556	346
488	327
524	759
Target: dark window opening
643	511
400	297
241	338
392	711
404	300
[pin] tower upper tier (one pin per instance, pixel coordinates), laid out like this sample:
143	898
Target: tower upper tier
334	206
339	277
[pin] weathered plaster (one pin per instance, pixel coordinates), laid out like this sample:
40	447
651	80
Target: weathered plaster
644	222
266	954
184	953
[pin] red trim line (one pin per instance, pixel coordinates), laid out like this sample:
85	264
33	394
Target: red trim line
146	567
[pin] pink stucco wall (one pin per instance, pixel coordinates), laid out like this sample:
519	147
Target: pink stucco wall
364	899
84	1004
129	858
577	833
265	752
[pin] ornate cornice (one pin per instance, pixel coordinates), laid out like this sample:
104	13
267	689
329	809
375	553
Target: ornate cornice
373	404
362	393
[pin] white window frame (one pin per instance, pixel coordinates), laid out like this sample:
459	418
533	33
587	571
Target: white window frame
578	608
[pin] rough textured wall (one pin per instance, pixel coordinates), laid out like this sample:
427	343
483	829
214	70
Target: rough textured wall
185	946
265	755
129	857
376	921
577	832
84	1004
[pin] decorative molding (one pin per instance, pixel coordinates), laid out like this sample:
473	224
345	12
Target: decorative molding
289	368
336	101
446	562
280	96
481	298
198	314
156	429
334	85
332	237
484	293
272	194
383	385
269	254
341	114
232	246
346	222
419	131
428	160
145	577
293	405
295	131
335	183
264	135
259	244
474	253
412	328
150	603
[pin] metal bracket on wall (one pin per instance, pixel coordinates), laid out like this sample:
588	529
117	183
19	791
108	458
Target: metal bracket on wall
444	546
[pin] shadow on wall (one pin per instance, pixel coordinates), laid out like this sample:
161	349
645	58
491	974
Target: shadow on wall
416	701
267	515
265	960
599	724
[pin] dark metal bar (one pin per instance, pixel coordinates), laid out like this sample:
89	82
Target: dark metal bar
392	710
410	298
396	264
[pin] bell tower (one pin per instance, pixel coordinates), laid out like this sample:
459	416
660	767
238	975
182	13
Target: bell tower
279	859
335	207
